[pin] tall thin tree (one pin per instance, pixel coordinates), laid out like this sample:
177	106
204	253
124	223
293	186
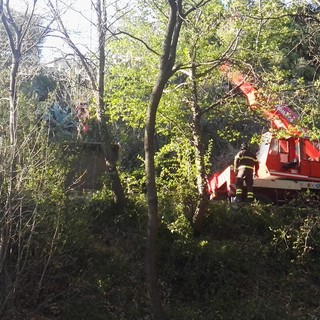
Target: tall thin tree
166	69
21	40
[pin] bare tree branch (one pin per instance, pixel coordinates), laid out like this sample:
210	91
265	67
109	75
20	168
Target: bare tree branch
74	47
140	40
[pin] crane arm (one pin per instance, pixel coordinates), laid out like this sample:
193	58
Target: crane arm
280	116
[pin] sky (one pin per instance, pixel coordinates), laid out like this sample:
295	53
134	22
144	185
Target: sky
81	30
76	16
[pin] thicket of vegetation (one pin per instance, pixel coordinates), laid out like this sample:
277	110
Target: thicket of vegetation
259	262
157	119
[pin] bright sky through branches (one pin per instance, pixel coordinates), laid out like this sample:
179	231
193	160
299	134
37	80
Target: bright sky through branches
76	15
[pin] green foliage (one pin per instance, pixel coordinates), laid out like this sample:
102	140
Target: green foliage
175	164
240	267
265	39
299	236
128	94
258	262
111	264
83	258
182	227
176	178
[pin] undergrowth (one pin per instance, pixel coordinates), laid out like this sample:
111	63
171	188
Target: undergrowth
257	262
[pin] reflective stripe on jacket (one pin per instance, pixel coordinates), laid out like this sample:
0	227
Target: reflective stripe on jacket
245	159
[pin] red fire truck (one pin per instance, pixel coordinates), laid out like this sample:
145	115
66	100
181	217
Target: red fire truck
288	165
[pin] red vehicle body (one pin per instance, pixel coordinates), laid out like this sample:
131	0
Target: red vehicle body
287	166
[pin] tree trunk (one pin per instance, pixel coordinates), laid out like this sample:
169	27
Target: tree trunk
119	196
199	154
165	72
152	200
116	186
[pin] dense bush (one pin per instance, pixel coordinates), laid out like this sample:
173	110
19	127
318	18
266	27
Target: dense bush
257	262
251	263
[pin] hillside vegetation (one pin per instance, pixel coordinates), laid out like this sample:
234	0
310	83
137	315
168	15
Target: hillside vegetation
257	262
106	153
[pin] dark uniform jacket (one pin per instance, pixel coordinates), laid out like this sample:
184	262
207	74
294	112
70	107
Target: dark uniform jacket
246	161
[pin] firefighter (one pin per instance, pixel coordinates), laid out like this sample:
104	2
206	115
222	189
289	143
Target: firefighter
245	164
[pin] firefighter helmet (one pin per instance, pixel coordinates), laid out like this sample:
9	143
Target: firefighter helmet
244	146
